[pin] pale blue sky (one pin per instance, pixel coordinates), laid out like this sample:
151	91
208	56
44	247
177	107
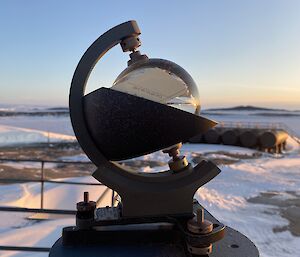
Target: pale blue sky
239	52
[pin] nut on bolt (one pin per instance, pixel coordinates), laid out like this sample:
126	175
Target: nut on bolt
198	225
85	212
130	43
86	205
177	162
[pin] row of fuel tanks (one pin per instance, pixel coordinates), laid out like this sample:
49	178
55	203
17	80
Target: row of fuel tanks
270	140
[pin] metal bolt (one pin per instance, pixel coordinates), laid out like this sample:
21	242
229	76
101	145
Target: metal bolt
86	204
130	43
86	197
136	56
200	216
173	151
198	225
177	162
85	212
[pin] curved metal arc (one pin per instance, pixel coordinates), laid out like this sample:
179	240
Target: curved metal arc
146	196
86	64
192	178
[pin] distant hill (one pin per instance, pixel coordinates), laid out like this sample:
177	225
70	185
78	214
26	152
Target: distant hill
245	108
44	113
23	111
65	109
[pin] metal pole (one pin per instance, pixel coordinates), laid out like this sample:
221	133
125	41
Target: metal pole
33	210
102	196
112	198
42	185
24	248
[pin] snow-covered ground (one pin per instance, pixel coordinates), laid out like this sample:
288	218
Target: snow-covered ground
18	229
225	197
54	123
229	197
17	136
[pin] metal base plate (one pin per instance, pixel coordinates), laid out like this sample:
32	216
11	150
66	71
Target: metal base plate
165	241
234	244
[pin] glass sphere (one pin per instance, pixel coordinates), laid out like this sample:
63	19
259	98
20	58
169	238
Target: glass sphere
160	81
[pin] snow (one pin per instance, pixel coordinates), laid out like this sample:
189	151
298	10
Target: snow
292	145
16	229
17	136
40	234
225	196
78	158
56	196
29	165
60	125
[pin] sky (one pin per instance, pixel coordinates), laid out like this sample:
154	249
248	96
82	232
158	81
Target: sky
238	52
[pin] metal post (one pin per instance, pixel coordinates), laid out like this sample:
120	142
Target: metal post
42	185
112	198
48	138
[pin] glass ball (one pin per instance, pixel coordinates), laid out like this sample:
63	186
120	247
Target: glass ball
161	81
